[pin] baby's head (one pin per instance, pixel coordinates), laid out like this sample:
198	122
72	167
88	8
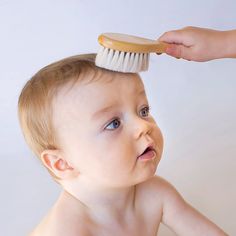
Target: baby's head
89	124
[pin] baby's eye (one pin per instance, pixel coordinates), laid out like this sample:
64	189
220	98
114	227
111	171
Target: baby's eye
113	125
145	111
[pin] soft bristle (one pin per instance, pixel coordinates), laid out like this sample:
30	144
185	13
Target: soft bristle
122	61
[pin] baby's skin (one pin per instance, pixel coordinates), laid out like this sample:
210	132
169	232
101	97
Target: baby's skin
109	188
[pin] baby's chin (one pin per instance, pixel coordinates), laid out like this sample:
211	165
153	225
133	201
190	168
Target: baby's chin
147	175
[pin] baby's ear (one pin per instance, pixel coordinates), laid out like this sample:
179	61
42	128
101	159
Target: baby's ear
56	163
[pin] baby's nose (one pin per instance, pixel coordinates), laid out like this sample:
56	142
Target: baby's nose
141	127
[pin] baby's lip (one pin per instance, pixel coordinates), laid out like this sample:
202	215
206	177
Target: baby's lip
149	147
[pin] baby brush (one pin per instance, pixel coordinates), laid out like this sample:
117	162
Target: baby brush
126	53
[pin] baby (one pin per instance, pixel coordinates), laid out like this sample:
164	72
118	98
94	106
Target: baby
92	130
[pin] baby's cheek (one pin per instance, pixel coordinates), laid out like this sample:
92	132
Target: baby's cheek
159	139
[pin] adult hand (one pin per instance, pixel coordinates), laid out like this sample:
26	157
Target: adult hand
200	44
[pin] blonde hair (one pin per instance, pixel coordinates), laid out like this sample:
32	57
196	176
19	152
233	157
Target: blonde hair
35	100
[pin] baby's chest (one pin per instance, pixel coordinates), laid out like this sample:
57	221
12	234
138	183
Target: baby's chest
139	228
139	225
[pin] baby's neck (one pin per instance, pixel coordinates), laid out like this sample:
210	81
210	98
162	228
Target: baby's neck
99	203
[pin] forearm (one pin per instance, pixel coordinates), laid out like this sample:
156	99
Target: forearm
229	44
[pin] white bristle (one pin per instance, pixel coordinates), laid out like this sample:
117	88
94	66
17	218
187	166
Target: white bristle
140	60
135	63
126	61
114	59
131	60
109	57
122	61
145	58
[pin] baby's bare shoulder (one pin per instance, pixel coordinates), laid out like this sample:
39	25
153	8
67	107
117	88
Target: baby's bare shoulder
155	186
57	224
58	232
45	227
173	206
151	194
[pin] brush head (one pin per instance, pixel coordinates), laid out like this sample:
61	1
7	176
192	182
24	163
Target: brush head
126	53
129	62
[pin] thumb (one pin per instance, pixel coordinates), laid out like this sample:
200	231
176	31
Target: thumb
179	51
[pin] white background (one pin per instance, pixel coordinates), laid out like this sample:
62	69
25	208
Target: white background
193	103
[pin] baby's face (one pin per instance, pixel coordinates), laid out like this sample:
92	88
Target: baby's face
104	126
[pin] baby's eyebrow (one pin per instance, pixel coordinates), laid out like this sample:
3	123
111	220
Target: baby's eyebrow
110	107
102	111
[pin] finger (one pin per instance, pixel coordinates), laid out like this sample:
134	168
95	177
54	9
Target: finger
174	36
179	51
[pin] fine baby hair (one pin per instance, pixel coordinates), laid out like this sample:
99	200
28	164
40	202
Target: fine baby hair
35	100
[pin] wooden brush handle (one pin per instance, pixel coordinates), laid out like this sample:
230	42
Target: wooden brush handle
130	43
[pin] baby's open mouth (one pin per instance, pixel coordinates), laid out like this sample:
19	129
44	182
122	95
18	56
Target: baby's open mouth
147	154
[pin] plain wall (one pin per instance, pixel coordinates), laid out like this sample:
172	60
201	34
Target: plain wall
193	103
